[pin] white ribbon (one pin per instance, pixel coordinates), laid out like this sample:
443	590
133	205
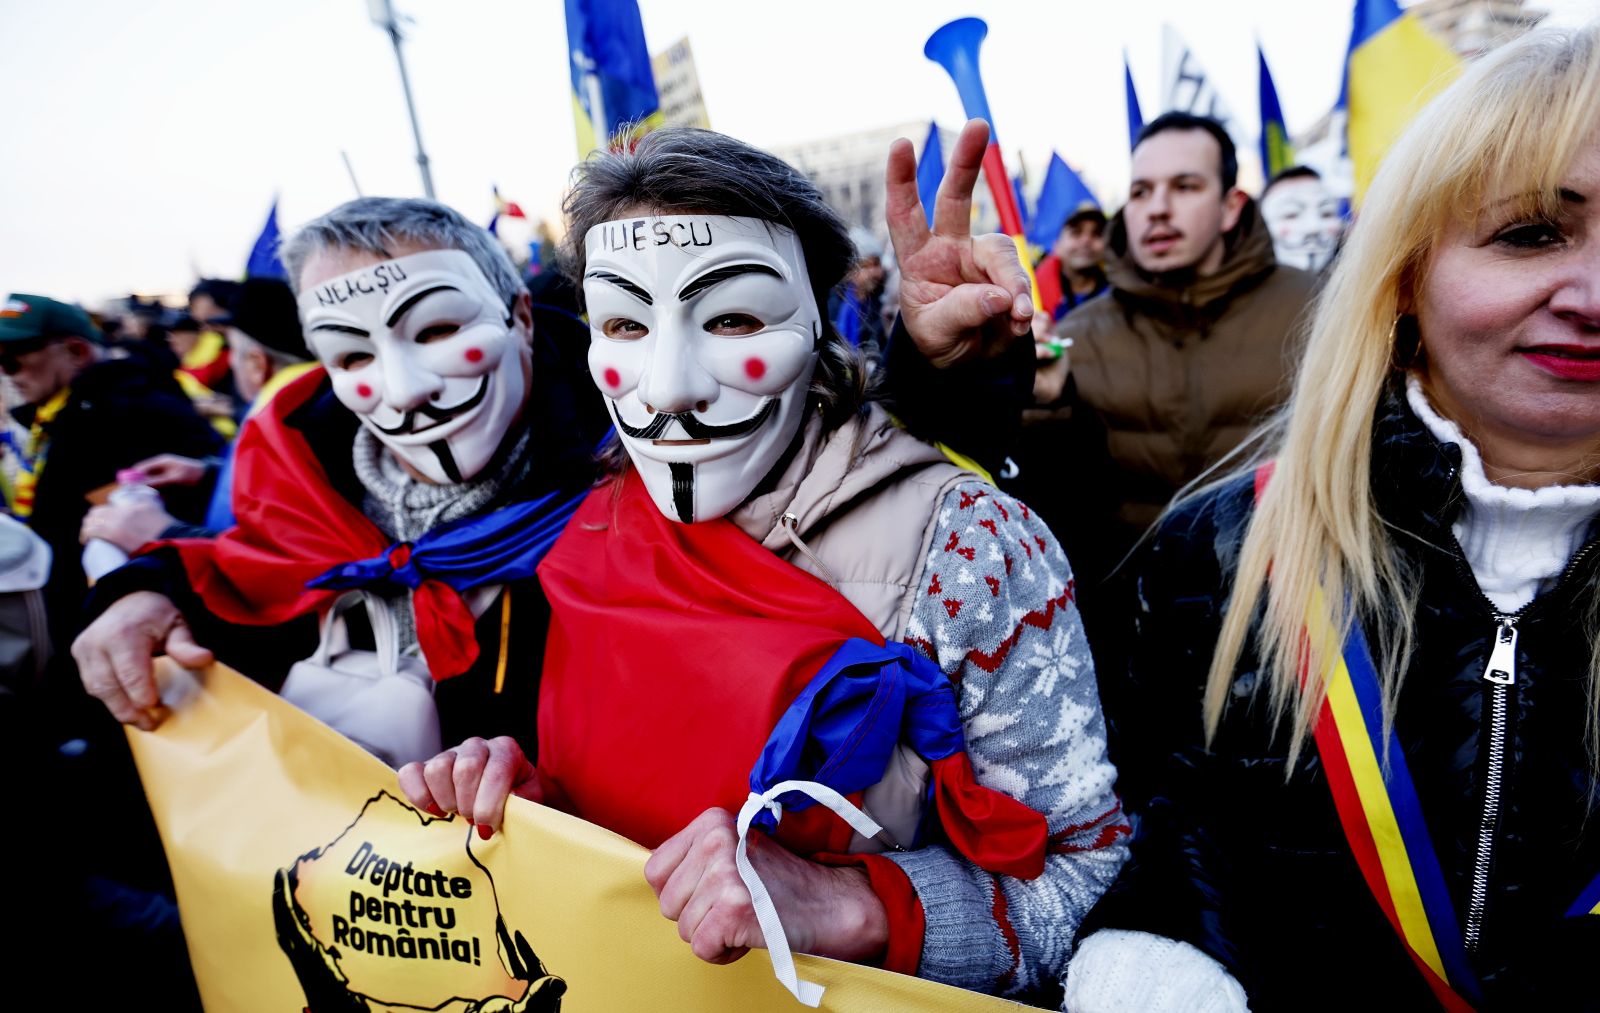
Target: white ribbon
808	992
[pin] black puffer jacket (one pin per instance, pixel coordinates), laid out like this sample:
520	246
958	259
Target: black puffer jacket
1256	871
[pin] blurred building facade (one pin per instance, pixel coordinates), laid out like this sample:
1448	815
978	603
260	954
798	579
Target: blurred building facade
849	169
1473	27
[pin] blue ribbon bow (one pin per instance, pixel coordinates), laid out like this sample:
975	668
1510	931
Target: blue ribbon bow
843	728
493	548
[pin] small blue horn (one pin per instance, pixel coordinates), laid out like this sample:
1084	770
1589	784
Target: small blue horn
955	48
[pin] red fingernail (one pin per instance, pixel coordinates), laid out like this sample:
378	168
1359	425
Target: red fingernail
433	807
485	831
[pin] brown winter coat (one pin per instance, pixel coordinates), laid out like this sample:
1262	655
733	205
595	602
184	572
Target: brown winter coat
1171	379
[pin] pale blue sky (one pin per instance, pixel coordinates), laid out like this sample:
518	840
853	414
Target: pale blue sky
145	139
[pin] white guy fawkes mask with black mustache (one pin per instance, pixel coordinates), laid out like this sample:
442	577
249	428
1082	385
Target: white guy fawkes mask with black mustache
428	356
1303	218
703	337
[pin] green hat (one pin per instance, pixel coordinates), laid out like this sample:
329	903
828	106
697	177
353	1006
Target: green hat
26	317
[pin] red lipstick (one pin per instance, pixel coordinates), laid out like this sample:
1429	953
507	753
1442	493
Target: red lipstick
1569	362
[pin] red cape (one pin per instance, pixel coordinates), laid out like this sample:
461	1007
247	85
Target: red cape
673	650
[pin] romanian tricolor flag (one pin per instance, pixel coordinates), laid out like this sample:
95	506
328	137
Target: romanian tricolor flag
511	209
503	209
1277	154
264	262
613	84
1135	118
1019	186
1394	67
1060	196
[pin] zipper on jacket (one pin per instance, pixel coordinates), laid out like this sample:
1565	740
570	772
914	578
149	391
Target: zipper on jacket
1501	674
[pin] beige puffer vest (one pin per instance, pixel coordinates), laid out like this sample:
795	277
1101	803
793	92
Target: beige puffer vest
863	499
858	507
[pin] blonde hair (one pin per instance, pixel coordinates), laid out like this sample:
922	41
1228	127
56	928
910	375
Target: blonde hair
1513	124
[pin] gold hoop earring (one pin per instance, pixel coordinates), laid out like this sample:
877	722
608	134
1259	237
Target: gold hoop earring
1405	341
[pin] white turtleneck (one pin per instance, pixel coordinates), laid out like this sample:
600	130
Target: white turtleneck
1516	540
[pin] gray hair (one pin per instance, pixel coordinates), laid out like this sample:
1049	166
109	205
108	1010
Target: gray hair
377	224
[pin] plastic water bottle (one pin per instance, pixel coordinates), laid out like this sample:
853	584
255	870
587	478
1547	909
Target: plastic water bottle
100	557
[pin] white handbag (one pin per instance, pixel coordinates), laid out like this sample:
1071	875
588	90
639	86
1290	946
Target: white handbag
378	699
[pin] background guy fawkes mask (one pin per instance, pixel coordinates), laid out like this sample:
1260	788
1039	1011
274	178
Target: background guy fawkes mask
425	352
1304	221
704	335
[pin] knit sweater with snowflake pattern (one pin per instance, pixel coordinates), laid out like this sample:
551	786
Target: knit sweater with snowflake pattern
941	560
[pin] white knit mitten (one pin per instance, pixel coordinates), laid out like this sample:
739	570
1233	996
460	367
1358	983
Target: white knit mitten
1115	970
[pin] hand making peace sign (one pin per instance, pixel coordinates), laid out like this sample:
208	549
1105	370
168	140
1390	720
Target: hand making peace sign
959	296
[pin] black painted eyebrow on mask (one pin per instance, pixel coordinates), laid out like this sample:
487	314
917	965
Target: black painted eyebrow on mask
413	299
722	274
342	329
624	284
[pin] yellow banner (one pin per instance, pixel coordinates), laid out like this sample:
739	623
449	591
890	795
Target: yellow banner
307	883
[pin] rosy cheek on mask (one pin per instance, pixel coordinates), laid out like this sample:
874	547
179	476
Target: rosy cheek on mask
473	352
356	391
615	367
613	373
764	364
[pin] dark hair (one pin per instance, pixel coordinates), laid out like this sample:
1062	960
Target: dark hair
688	170
1176	120
1293	172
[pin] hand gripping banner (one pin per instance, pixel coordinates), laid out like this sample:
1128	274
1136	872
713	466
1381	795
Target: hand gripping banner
306	882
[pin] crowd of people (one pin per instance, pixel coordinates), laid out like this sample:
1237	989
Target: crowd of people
1311	718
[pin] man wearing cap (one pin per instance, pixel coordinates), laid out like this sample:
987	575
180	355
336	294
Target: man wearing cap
265	344
266	351
1074	271
87	415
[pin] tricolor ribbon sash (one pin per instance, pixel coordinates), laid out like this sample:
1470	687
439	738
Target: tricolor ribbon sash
1381	814
1588	902
30	456
1382	820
